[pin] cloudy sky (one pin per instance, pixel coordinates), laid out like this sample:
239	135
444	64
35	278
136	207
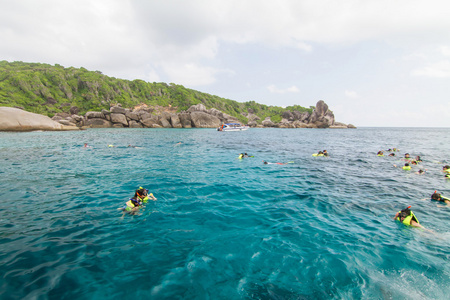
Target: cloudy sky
375	63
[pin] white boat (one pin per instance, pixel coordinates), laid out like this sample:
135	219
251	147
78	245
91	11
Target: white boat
232	127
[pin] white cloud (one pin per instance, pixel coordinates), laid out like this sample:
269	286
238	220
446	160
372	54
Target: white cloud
437	70
273	89
445	50
351	94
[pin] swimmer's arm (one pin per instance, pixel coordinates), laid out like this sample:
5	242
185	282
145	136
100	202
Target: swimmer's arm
415	224
396	216
152	197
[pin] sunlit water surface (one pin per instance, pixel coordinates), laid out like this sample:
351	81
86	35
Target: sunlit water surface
222	228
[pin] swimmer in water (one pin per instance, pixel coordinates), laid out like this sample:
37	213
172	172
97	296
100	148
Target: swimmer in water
407	217
438	197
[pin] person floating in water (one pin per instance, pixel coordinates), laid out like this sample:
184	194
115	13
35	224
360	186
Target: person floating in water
407	157
320	153
421	172
140	198
391	154
407	217
380	153
418	159
325	153
241	156
438	197
278	163
86	145
446	170
406	167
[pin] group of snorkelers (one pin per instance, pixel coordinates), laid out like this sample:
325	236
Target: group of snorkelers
410	162
140	198
407	217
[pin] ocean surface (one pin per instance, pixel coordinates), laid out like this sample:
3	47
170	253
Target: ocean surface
223	228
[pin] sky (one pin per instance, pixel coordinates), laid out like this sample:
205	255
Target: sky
375	63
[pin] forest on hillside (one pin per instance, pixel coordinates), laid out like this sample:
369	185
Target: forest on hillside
46	89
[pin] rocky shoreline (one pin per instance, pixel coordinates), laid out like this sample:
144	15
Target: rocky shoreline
143	116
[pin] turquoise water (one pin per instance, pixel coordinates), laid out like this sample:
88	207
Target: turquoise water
222	228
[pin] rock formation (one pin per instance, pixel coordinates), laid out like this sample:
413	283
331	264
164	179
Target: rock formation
197	116
14	119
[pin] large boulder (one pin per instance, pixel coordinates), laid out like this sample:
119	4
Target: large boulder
119	119
14	119
94	115
132	116
185	120
135	124
117	110
321	116
198	107
204	120
97	123
268	122
175	121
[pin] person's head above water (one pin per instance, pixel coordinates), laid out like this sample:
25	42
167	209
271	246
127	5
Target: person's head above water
406	155
436	196
141	193
404	213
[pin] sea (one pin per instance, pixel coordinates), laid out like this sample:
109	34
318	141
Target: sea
298	227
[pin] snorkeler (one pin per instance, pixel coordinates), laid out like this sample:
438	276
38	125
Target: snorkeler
438	197
406	167
325	153
446	170
380	153
320	153
141	196
278	163
418	159
241	156
391	154
407	217
407	157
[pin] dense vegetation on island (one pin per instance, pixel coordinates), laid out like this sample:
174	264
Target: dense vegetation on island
47	89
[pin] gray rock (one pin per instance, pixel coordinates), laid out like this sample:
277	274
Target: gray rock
14	119
204	120
165	123
185	120
94	115
149	122
132	116
198	107
97	123
119	118
135	124
117	110
176	123
268	122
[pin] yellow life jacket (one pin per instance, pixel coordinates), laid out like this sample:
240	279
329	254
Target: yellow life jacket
407	168
407	220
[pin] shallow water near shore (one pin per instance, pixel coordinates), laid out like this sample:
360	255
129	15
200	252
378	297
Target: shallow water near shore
222	228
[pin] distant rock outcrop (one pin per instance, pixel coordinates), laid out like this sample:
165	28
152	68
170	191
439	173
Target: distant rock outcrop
197	116
14	119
